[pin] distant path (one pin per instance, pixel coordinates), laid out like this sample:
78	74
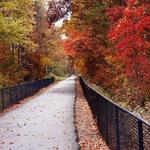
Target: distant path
43	123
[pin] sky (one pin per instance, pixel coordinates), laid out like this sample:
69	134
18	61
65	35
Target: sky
59	23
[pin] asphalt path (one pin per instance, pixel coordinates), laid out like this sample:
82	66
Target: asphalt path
44	122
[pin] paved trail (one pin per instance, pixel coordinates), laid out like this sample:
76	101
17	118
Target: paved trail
43	123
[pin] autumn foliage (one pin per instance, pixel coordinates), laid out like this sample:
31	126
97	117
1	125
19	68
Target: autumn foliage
110	45
30	45
108	42
130	37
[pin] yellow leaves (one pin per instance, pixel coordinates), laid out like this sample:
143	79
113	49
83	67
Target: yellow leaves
110	59
16	21
7	5
45	61
80	62
80	65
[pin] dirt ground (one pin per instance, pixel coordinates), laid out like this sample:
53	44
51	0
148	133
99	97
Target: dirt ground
88	134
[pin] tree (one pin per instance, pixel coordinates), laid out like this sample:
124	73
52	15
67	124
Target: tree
87	31
130	34
119	62
16	24
58	10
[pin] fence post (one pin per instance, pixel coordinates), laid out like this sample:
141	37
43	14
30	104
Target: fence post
10	96
3	105
16	100
106	113
117	129
140	135
20	91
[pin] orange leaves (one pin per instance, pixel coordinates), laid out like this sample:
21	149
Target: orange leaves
69	44
137	12
120	60
80	65
68	47
79	45
132	2
78	42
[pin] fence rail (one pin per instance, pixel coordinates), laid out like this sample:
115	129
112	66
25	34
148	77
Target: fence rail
12	95
121	129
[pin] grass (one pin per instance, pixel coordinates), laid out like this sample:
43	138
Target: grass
57	78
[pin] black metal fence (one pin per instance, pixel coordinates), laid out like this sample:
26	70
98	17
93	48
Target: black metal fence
121	129
12	95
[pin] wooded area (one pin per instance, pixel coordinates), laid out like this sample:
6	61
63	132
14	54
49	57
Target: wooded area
107	42
29	46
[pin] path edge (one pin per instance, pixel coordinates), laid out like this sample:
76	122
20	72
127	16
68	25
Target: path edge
74	115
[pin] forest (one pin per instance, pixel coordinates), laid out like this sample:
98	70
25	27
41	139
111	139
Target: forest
29	46
106	41
109	42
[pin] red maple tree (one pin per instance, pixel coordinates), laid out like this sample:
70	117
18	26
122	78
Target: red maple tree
130	36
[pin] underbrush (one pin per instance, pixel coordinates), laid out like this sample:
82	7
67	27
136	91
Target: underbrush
143	112
57	78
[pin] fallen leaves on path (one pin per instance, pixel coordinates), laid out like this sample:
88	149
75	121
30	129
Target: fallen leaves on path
89	137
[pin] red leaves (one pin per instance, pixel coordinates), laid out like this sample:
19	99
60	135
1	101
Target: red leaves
143	24
139	68
115	13
129	35
132	43
131	2
123	27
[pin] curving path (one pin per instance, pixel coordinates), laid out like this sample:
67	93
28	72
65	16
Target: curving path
43	123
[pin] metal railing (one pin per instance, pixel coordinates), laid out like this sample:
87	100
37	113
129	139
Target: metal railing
121	129
12	95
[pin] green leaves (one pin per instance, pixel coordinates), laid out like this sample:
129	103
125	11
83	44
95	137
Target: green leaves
12	31
16	21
